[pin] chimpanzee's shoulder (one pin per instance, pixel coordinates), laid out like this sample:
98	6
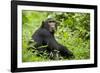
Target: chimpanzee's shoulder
44	32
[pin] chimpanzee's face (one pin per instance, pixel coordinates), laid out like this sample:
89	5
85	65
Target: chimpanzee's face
52	26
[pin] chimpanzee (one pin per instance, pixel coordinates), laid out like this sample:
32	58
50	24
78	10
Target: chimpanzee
44	36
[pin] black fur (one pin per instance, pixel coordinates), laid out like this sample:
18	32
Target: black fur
43	37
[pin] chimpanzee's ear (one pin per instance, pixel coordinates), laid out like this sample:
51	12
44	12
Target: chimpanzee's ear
43	23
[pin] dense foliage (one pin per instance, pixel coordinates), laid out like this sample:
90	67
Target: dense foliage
73	32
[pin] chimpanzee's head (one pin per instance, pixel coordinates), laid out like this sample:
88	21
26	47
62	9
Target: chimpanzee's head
50	24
